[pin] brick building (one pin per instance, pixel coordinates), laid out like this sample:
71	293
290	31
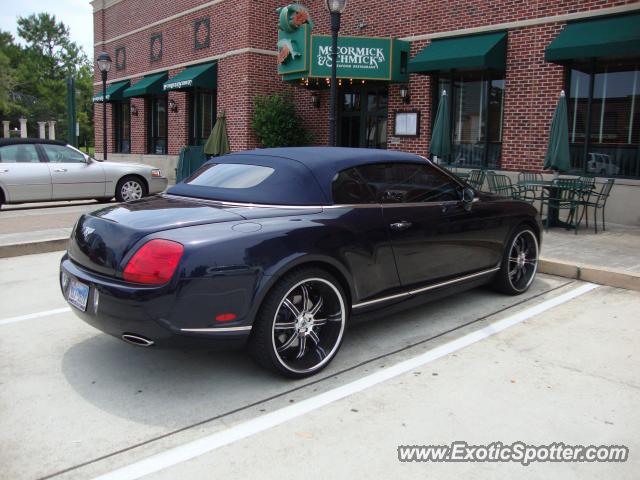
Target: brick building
196	58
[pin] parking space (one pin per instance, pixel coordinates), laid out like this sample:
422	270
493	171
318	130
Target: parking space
77	402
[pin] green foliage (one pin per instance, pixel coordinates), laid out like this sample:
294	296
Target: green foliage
33	78
276	123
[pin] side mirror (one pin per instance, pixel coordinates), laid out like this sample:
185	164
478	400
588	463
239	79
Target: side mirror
467	197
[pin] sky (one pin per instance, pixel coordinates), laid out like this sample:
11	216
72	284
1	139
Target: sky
75	14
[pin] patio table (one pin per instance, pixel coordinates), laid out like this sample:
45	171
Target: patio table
553	211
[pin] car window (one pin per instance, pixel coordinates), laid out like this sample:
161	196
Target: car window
349	187
62	154
230	175
409	183
20	153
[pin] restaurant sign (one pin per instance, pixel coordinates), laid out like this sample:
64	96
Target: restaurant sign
358	57
302	55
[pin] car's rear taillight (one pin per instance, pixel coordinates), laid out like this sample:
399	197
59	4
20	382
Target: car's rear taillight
154	263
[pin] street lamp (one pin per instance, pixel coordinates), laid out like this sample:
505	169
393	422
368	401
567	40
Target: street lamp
104	65
335	7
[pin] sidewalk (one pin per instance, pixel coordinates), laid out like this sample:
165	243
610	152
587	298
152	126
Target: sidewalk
39	227
609	258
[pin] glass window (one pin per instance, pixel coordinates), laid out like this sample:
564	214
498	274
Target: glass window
21	153
394	183
203	115
122	126
476	110
230	175
62	154
157	125
350	187
604	119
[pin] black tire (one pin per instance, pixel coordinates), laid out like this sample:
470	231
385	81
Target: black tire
124	192
518	270
279	338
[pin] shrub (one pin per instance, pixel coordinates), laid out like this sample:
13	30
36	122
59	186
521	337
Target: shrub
276	123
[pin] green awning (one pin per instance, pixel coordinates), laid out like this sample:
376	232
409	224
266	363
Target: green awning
114	92
204	76
149	85
604	37
472	52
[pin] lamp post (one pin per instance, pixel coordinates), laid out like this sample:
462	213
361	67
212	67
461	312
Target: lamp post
104	64
335	7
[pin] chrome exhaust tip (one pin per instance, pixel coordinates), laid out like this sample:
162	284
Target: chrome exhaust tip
137	340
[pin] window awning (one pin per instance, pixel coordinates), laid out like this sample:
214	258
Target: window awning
472	52
149	85
114	92
604	37
204	76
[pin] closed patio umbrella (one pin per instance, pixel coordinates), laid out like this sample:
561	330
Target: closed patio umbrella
218	142
558	157
441	135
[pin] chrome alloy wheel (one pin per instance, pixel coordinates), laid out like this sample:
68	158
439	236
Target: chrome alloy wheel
131	190
523	260
308	325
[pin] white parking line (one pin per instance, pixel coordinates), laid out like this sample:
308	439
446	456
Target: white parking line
31	316
243	430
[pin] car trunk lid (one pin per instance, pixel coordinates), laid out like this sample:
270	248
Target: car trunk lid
102	239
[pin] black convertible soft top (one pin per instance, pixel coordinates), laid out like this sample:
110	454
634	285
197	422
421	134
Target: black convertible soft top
302	175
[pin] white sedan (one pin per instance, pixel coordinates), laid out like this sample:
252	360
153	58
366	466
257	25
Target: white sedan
33	170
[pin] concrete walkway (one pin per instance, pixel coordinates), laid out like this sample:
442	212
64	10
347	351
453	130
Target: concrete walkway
609	258
39	227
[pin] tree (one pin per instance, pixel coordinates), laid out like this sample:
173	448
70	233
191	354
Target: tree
276	123
33	78
52	41
8	77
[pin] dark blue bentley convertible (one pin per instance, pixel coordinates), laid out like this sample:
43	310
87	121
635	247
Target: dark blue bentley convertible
275	249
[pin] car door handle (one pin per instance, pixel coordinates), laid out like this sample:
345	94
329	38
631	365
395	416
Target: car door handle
60	170
403	225
4	170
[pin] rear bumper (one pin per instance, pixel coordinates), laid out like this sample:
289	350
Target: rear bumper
117	308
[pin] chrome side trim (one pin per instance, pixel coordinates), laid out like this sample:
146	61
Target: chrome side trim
246	204
315	207
425	289
218	329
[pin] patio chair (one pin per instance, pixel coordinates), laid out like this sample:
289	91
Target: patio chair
598	200
476	179
565	196
587	188
502	185
532	193
491	181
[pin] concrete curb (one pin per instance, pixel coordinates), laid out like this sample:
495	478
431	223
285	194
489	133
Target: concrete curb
611	277
589	273
29	248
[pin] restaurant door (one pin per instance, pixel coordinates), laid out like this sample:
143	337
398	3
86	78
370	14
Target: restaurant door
362	117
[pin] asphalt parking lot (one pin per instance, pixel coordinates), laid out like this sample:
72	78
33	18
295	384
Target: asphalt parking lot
75	403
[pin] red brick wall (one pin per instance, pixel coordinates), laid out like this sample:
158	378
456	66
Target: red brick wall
532	85
98	112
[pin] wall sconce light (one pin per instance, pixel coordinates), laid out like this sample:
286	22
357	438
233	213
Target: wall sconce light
315	98
173	106
134	110
404	93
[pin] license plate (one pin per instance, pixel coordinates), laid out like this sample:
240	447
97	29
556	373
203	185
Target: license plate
78	294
